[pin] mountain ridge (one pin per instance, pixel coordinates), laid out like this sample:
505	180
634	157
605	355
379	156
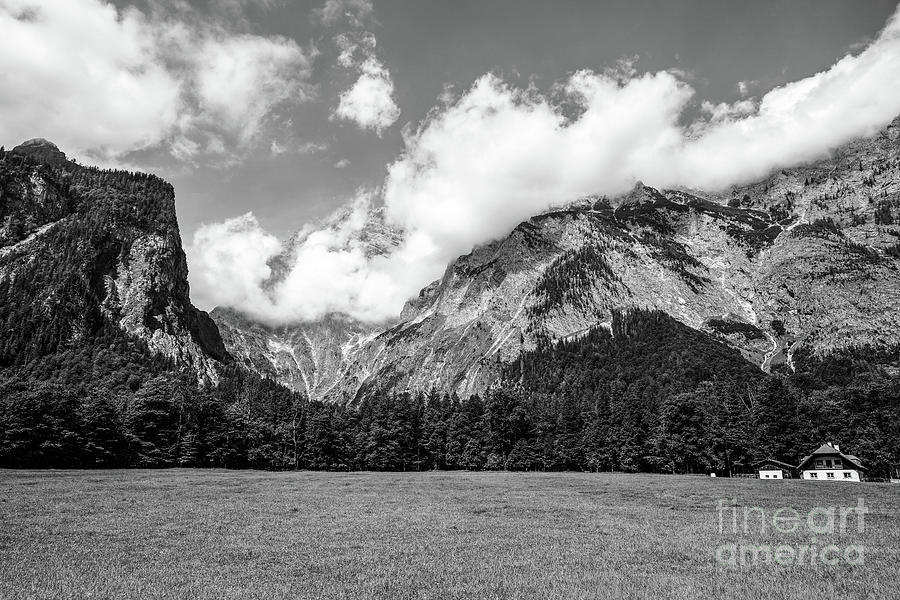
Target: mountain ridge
800	259
590	338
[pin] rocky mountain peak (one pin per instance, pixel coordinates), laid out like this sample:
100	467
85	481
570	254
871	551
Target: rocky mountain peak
42	150
86	254
639	195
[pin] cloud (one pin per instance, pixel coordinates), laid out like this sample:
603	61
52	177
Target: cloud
473	171
229	262
310	147
238	79
479	165
230	265
719	113
370	100
106	82
277	148
355	12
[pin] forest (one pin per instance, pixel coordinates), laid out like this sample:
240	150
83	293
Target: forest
652	395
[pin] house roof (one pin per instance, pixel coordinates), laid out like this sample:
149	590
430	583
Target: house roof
826	449
772	461
829	450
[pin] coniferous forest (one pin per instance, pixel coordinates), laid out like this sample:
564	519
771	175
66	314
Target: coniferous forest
653	395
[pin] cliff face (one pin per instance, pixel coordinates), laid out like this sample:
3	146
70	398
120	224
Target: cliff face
313	358
832	279
84	252
805	259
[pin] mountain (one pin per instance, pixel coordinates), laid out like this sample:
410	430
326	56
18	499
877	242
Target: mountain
632	333
104	361
314	358
88	256
804	262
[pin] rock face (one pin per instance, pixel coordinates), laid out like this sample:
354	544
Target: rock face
43	151
805	259
84	252
314	358
831	281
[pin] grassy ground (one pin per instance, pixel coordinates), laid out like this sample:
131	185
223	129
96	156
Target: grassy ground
216	534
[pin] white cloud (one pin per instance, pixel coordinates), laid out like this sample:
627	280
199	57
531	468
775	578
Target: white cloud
355	12
497	155
276	149
310	147
107	82
239	79
330	267
228	262
719	113
333	261
743	87
370	100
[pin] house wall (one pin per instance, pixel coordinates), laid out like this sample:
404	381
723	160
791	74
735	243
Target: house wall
767	474
836	474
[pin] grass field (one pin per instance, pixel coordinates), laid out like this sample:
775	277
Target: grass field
218	534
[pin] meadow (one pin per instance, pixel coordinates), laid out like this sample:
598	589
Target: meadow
247	534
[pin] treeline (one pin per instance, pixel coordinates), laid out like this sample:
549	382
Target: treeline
653	395
169	423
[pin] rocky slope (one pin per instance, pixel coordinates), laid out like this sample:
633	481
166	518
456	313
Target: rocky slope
315	358
807	258
85	252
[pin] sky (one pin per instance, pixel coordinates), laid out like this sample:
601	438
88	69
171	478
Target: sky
461	117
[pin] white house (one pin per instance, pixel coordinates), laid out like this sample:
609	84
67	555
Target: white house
774	469
828	463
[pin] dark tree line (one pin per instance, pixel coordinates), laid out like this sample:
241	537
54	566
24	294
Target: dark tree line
653	395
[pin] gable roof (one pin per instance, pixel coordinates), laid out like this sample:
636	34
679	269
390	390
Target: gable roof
826	449
772	461
829	450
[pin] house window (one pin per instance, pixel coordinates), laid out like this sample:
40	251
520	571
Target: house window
820	464
814	475
831	476
847	475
